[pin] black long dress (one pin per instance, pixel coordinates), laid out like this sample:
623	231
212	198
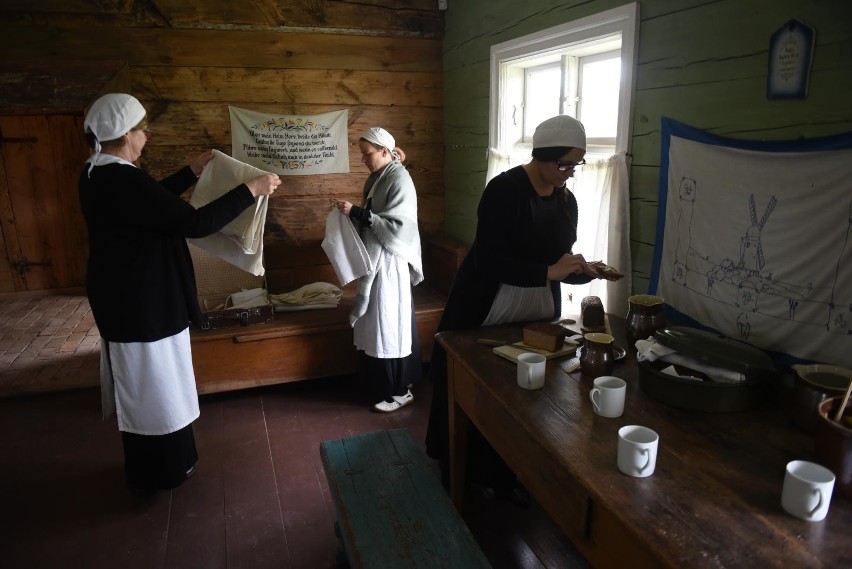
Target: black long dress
141	287
519	234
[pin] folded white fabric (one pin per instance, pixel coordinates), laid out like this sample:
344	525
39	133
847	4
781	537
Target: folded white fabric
248	298
241	241
651	350
308	297
344	248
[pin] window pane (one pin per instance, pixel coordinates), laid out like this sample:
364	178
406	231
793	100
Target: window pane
599	86
542	97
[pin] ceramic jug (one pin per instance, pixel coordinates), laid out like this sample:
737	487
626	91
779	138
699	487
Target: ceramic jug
644	317
596	357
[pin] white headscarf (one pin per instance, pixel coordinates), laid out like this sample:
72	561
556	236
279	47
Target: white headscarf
560	131
382	138
110	117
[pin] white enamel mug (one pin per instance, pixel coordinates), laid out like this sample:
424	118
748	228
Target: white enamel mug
531	370
807	490
637	450
607	396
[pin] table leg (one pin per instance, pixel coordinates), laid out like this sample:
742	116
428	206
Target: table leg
459	427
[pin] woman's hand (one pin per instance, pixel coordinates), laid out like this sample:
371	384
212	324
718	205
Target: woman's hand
264	184
197	164
567	265
344	206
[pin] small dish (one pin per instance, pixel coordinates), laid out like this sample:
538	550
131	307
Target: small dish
617	351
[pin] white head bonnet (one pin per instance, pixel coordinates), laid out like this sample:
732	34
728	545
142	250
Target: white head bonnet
381	137
560	131
112	116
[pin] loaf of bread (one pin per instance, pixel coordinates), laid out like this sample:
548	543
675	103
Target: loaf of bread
544	336
592	312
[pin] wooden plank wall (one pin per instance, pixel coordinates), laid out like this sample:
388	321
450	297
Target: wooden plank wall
188	61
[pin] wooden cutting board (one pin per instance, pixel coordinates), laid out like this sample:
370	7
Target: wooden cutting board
512	351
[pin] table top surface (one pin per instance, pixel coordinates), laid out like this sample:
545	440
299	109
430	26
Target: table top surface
714	499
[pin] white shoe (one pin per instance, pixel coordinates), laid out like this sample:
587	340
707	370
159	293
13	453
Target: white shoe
399	401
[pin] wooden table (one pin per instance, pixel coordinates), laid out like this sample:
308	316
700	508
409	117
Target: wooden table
714	499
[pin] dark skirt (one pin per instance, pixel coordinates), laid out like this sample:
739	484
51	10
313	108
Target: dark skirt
385	377
159	462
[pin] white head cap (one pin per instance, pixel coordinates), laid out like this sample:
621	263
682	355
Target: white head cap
380	137
560	131
110	117
113	115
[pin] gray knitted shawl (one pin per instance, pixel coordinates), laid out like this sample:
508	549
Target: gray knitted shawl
394	227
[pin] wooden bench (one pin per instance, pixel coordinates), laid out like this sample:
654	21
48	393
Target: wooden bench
313	343
391	508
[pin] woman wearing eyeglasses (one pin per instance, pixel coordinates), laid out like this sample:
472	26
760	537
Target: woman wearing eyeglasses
526	229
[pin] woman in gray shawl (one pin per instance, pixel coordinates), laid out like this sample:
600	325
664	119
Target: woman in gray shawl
383	316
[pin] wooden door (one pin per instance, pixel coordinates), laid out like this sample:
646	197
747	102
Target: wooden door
43	231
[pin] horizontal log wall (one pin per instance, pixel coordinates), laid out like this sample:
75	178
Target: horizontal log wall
188	61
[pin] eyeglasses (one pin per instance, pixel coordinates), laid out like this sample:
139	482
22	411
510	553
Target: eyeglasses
565	166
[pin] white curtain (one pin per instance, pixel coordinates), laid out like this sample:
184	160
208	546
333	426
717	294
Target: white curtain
500	162
603	232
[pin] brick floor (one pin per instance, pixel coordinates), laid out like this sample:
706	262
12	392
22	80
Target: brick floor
47	343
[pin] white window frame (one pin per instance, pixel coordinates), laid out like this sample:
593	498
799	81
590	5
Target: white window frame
622	20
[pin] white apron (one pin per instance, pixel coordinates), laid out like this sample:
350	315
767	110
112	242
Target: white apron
149	385
384	331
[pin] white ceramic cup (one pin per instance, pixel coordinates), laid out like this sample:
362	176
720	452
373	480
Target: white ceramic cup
531	370
637	450
607	396
807	490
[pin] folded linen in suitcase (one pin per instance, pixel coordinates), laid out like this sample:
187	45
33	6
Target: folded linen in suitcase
250	298
309	297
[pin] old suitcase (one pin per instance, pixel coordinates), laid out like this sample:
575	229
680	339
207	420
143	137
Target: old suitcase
217	280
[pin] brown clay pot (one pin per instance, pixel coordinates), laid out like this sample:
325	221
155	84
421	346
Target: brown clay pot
812	385
644	317
834	444
597	357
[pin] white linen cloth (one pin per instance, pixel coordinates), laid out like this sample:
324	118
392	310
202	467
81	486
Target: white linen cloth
384	329
344	248
150	386
314	293
240	242
249	298
651	350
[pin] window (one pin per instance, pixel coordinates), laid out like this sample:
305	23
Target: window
583	69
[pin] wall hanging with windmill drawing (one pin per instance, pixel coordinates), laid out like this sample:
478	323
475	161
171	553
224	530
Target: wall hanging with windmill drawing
752	241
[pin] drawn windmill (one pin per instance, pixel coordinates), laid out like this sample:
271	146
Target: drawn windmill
751	250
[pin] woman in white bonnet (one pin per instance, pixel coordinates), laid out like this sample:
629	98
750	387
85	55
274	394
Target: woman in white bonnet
522	252
141	288
384	328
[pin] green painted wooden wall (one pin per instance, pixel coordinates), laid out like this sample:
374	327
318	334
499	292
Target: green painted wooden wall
701	62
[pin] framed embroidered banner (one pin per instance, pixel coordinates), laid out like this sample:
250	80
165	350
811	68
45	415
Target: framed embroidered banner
291	145
754	240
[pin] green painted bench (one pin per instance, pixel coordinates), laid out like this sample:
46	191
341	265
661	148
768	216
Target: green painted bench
392	512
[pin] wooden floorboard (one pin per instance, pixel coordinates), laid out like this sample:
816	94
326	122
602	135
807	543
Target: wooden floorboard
258	499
